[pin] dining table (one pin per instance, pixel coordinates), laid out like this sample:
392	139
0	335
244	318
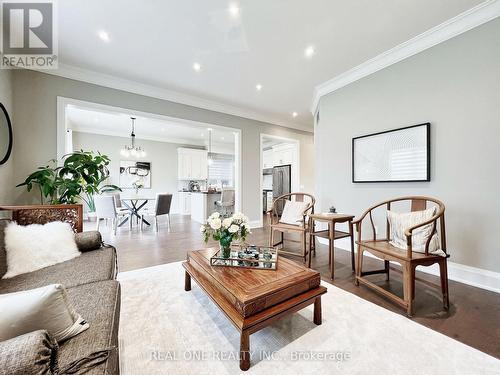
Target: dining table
134	204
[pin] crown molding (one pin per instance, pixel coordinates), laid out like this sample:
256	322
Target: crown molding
114	82
465	21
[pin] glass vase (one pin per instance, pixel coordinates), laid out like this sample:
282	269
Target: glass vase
225	247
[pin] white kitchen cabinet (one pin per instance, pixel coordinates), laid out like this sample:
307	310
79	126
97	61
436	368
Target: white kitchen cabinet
203	205
192	164
282	154
267	159
185	203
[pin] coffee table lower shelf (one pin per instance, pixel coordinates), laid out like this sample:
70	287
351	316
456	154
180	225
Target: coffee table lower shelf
262	319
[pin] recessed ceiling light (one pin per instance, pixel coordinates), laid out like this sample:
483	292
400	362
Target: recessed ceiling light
295	114
104	36
234	10
202	134
258	86
222	138
309	52
197	67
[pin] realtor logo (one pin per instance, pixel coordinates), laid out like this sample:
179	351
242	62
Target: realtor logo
28	35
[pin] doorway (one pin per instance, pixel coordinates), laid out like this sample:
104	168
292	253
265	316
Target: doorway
279	168
109	121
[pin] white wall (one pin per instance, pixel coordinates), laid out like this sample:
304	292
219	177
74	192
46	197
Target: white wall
455	86
7	169
161	155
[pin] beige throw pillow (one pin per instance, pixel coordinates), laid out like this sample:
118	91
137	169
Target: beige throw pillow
292	213
32	247
46	308
400	222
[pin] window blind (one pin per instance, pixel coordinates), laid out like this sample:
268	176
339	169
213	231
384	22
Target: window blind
221	169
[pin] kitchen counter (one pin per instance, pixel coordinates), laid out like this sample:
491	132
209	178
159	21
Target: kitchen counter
203	205
200	192
206	192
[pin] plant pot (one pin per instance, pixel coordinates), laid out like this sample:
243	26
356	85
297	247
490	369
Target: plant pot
91	216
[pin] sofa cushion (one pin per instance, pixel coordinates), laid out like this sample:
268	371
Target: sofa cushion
87	241
97	347
31	353
97	265
36	246
46	308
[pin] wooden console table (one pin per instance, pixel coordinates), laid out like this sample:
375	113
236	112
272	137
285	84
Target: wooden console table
331	234
42	214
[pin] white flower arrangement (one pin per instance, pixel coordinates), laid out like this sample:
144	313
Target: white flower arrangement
225	230
138	184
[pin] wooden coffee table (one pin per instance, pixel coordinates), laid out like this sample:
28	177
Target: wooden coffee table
253	299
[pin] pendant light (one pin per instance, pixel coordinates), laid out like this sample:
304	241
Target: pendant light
132	149
210	159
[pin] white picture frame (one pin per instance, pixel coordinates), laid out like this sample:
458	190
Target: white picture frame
399	155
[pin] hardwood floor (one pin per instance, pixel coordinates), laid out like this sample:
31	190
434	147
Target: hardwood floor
473	317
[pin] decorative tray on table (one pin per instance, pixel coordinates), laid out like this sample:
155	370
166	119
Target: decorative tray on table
248	256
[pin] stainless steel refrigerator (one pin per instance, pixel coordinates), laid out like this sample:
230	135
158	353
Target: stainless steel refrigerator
282	183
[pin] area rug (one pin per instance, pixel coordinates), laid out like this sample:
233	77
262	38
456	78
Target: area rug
165	330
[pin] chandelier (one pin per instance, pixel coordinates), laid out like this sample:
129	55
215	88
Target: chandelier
132	149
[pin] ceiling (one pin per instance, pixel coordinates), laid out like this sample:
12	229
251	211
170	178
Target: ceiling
157	42
269	142
119	124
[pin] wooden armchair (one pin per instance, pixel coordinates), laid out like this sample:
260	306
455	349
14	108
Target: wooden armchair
408	259
301	228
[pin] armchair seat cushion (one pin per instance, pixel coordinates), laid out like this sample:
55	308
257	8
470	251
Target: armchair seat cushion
289	227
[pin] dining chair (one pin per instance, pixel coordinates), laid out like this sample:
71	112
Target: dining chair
226	202
119	205
105	208
162	207
118	202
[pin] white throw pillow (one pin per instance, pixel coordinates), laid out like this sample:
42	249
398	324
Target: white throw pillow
400	222
32	247
45	308
293	212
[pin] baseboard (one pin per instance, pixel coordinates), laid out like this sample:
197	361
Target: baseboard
255	224
480	278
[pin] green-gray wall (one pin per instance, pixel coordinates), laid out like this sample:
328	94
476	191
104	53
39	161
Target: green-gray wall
7	169
456	87
35	103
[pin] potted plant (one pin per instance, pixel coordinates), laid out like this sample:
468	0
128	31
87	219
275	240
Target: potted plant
82	175
225	231
46	179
